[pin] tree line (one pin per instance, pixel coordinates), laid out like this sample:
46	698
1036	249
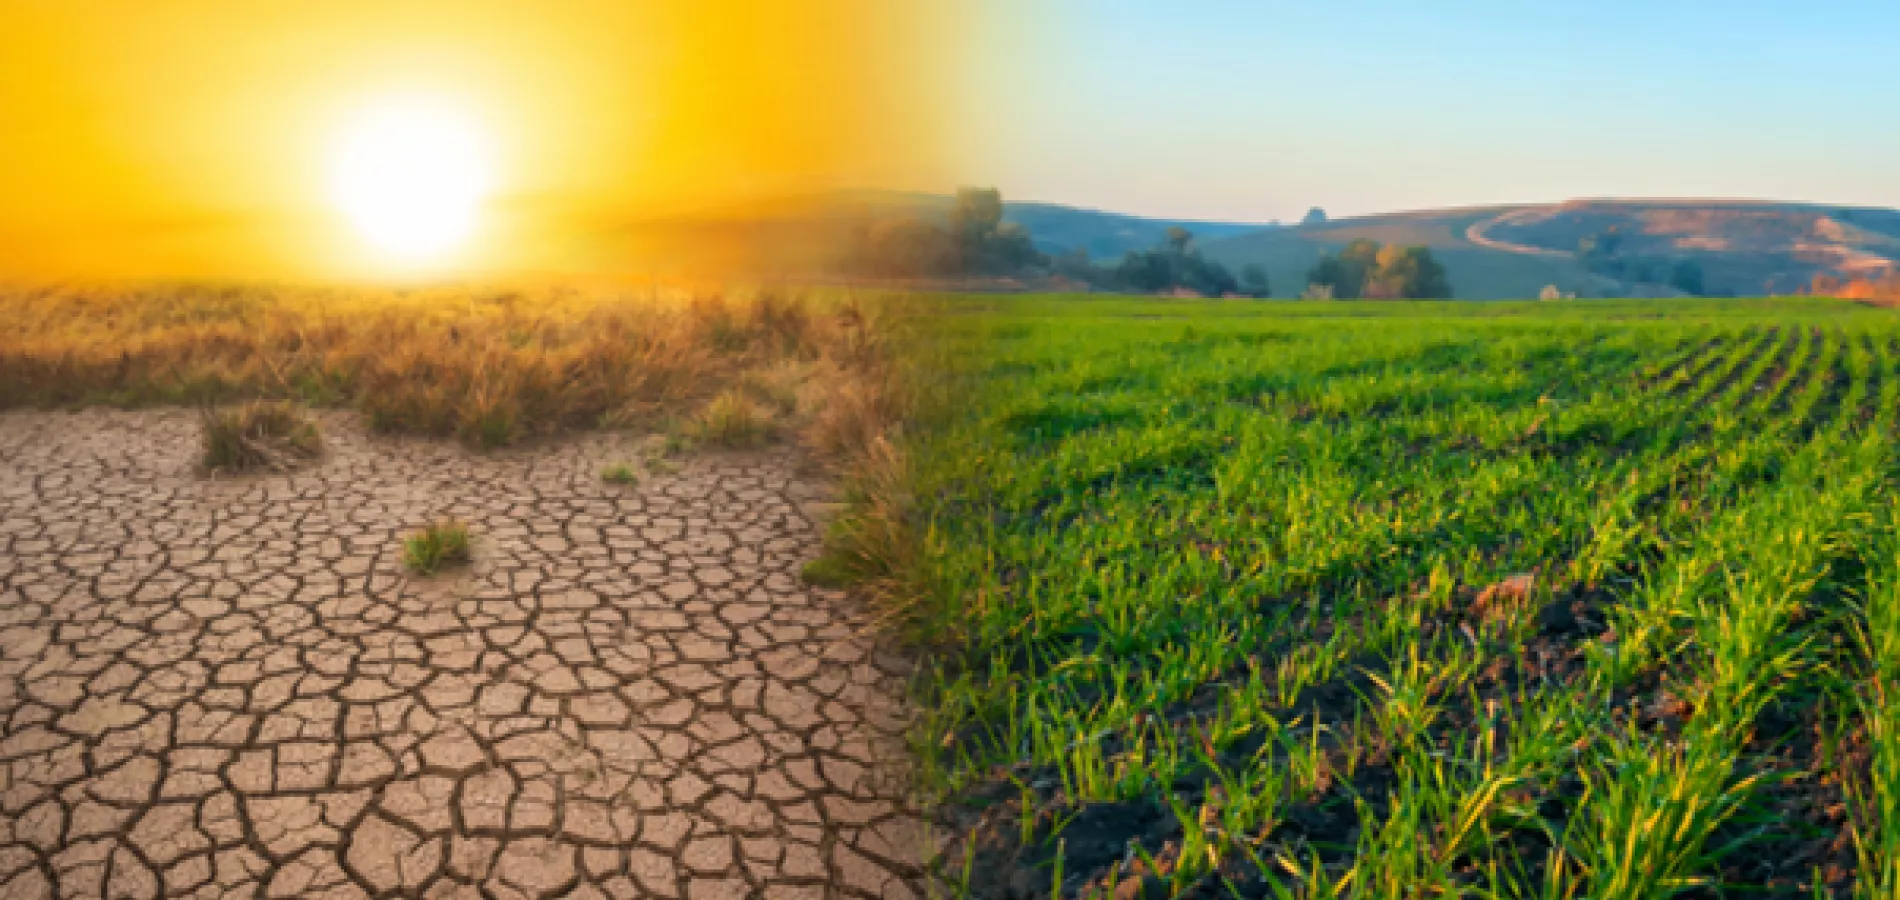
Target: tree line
1177	264
972	240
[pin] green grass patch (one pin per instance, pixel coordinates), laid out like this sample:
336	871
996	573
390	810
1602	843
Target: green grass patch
619	473
439	544
828	571
1407	599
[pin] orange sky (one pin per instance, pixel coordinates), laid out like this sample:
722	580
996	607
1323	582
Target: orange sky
190	137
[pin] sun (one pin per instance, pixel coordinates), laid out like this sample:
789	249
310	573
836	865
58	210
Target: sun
411	175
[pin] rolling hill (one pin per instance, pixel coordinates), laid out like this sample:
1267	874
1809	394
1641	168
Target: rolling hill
1477	272
1500	252
1107	235
788	233
1055	228
1638	247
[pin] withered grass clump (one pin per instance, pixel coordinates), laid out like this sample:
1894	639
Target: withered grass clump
441	543
874	541
853	405
734	420
266	435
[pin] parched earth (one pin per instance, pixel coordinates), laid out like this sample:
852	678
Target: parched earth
229	687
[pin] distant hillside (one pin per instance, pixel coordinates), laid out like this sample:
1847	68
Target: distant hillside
1476	272
1055	228
1592	248
1105	235
810	221
1502	252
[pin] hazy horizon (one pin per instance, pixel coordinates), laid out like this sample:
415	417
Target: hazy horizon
204	137
1237	111
201	137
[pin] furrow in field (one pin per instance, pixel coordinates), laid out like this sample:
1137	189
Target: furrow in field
1544	656
1723	354
1870	738
1874	377
1760	386
1656	364
1885	411
1699	354
1793	392
1834	371
1669	780
1715	383
1485	697
1801	368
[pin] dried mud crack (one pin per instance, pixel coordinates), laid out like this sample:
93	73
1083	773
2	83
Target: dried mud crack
229	688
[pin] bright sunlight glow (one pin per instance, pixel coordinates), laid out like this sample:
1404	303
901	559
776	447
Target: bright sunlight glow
411	175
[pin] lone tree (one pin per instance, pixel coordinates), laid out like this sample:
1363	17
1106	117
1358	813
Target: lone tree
1314	216
985	243
1346	271
1366	269
1407	273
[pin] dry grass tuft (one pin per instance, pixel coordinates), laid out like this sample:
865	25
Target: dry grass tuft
851	406
847	413
873	543
441	543
734	420
783	325
272	436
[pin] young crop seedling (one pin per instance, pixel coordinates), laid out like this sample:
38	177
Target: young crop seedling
443	542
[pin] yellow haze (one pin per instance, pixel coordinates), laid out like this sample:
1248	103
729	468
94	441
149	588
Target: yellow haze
188	138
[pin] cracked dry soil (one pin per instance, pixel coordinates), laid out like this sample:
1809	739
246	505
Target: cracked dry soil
229	688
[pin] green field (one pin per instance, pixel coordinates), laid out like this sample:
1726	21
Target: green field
1402	600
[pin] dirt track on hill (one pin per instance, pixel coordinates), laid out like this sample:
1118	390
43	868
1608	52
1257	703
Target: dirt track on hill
1476	233
214	688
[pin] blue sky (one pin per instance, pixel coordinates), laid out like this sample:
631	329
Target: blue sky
1258	110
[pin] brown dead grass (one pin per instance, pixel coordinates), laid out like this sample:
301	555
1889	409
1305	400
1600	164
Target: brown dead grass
273	436
489	368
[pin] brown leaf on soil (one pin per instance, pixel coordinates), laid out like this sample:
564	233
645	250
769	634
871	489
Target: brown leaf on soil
1498	600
